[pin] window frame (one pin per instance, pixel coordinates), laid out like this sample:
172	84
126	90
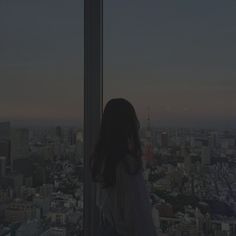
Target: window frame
93	103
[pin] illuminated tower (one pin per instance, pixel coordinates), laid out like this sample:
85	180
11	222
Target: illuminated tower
148	146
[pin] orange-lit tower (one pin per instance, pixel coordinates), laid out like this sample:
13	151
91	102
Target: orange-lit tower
148	152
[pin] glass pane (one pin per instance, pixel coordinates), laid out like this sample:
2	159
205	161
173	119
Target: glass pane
41	117
175	62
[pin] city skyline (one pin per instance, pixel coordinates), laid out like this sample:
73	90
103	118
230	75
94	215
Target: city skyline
176	58
189	175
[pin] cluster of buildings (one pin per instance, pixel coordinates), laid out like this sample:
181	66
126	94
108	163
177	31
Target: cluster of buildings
41	181
190	173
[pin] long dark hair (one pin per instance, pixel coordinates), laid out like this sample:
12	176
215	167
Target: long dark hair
119	129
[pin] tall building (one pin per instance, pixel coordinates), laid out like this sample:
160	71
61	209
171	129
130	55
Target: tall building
18	211
19	144
5	144
2	166
72	135
205	155
59	133
185	153
148	145
214	140
164	140
5	151
5	130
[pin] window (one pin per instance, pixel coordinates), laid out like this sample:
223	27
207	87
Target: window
41	116
175	62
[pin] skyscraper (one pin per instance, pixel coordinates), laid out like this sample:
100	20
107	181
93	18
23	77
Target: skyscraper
2	166
5	130
164	140
5	144
148	145
19	144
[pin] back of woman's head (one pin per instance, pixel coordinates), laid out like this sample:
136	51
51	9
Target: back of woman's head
118	138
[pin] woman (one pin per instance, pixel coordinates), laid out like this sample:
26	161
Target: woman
116	166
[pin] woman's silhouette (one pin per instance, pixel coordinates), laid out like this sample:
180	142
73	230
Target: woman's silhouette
116	167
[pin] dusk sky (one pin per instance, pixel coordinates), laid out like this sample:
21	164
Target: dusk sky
176	57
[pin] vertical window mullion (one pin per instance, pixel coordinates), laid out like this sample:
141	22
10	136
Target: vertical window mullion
93	94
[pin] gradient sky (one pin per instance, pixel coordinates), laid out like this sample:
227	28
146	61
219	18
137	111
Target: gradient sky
176	57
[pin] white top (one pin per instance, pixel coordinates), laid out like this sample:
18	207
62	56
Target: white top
127	204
